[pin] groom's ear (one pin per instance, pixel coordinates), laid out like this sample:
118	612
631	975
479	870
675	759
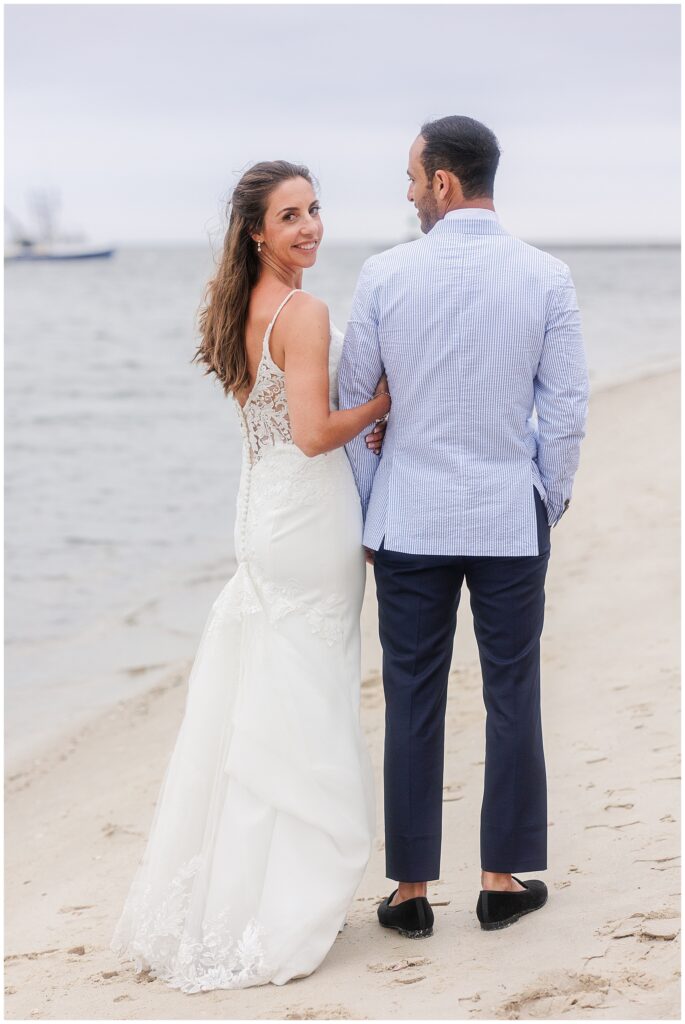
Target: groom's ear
446	186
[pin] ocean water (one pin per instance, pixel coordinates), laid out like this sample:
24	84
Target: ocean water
122	459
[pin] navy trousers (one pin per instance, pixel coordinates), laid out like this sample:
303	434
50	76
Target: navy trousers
418	597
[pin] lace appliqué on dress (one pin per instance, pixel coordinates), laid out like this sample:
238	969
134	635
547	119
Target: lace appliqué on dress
162	946
264	417
249	592
325	621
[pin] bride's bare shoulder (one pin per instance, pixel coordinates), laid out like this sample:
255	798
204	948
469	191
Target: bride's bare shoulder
306	303
305	310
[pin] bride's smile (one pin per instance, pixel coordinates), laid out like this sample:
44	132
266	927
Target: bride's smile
291	231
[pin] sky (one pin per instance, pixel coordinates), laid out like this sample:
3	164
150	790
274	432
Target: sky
142	117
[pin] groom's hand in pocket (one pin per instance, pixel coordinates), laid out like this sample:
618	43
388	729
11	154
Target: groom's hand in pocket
368	554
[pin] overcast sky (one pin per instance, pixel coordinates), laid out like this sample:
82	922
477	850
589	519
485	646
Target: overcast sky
143	116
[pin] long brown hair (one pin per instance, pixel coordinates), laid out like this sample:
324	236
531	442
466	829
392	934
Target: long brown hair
223	318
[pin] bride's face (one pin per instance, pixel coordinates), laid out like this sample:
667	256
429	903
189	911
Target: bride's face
292	228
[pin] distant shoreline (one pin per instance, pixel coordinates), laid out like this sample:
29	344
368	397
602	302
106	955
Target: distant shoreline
600	384
387	244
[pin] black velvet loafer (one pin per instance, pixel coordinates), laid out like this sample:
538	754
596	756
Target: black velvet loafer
500	909
411	918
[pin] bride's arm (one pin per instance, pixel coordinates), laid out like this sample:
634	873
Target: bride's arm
305	334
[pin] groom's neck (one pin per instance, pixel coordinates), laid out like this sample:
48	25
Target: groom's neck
473	204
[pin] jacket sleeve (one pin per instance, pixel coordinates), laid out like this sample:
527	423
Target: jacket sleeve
561	397
360	369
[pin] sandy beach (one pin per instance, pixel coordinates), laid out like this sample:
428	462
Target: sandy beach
606	946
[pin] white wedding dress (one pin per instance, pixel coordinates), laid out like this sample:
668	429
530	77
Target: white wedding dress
265	817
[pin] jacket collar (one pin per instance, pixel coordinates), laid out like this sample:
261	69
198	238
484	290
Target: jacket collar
467	226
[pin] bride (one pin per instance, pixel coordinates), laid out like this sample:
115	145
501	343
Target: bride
264	821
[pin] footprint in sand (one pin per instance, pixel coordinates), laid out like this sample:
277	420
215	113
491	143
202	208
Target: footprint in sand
659	931
557	994
139	670
141	977
626	824
322	1013
655	925
639	979
641	710
371	699
656	860
111	829
399	965
33	955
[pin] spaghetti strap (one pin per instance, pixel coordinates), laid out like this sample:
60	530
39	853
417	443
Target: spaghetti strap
265	346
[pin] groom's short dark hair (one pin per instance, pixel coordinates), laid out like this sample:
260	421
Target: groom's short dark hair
466	148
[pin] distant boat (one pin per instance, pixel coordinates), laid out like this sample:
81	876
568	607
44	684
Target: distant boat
46	243
27	249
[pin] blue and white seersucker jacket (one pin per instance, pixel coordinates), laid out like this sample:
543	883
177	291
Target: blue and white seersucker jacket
480	337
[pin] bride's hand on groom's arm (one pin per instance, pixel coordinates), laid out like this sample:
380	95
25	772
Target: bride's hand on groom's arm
374	440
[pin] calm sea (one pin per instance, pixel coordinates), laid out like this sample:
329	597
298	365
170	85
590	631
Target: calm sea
122	459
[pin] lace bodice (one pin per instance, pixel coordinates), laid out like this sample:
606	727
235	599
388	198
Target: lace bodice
264	417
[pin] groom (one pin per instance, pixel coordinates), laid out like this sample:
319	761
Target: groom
479	335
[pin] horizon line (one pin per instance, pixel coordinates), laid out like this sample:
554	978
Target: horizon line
387	243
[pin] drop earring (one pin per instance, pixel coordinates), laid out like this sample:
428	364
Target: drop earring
259	247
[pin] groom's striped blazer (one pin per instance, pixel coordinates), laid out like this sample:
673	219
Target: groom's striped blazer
480	336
